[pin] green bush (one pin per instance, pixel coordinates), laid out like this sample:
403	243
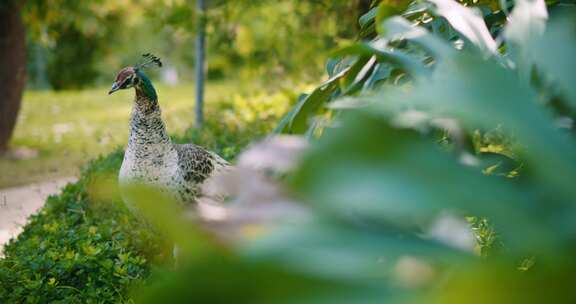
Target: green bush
77	252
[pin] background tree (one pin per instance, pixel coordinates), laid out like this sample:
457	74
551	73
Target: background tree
74	43
200	60
77	36
12	67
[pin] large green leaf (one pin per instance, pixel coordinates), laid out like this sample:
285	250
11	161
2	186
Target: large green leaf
468	22
340	250
229	279
308	107
398	58
371	172
554	52
398	28
528	20
359	70
298	120
526	23
381	72
367	18
483	94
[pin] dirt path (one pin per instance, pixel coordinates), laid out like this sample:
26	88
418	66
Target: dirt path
18	203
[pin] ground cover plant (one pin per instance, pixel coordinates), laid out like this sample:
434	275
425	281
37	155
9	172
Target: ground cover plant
75	251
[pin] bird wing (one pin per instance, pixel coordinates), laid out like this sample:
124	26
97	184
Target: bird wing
197	164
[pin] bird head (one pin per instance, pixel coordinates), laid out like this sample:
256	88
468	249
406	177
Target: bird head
130	77
125	79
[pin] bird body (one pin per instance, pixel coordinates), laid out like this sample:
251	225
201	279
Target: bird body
151	159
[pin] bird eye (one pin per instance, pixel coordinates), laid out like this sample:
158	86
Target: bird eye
125	84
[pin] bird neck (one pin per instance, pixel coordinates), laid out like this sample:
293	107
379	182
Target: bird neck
146	125
145	87
146	97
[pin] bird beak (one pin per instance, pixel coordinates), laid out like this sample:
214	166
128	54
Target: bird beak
115	87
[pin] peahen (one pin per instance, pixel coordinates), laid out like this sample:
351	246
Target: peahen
151	159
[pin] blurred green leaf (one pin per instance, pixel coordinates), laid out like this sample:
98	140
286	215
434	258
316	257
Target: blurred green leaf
307	106
412	65
526	23
468	22
396	28
339	249
220	279
509	103
352	81
400	178
528	20
558	62
367	18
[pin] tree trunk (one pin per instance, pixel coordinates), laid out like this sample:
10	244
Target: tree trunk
12	68
200	58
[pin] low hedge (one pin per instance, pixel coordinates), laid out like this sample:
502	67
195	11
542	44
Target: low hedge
77	252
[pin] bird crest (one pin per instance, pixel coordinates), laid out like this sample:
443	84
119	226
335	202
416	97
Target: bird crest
133	76
149	60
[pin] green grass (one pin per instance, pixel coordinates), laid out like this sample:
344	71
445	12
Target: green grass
70	127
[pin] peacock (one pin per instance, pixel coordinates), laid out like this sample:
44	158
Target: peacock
151	159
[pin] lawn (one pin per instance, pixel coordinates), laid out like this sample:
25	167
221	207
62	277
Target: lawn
70	127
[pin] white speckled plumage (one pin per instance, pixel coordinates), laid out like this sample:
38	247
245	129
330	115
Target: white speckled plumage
151	159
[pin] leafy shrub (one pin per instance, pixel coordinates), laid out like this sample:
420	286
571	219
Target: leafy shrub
379	180
77	252
234	123
74	39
